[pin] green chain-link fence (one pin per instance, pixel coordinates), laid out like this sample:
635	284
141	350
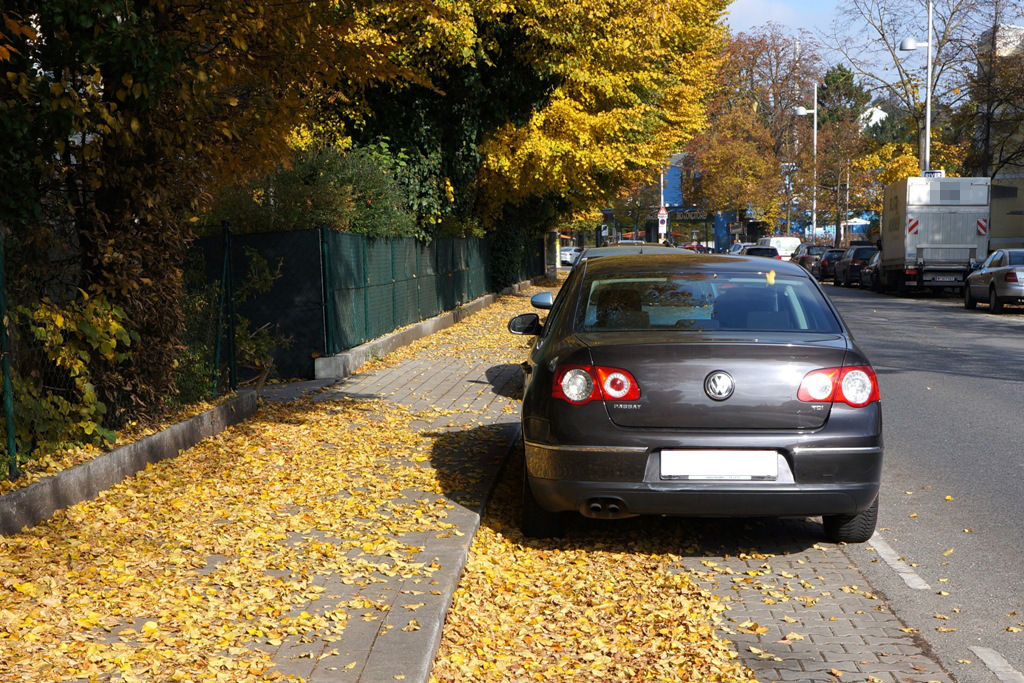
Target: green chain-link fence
251	301
374	286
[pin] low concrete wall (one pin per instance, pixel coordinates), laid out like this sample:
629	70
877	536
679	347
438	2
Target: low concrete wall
345	364
36	502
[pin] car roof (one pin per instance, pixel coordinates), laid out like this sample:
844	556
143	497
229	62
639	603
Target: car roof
632	249
688	260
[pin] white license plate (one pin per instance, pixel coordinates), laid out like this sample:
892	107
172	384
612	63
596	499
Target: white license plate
944	278
717	465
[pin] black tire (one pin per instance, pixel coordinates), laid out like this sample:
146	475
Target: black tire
994	304
538	522
970	303
851	528
902	286
876	283
847	280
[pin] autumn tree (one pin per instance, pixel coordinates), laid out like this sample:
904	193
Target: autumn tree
736	167
119	121
867	33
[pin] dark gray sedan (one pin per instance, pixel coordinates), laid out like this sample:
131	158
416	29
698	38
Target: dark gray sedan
697	385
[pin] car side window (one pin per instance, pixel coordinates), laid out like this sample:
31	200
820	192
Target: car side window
991	260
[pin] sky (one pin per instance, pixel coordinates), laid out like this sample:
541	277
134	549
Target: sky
814	16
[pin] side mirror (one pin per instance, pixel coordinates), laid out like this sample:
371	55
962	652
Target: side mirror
975	265
526	323
543	301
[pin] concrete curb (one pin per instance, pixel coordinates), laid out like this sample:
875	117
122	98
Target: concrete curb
452	552
345	364
36	502
436	625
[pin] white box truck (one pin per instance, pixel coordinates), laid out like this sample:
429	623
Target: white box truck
932	230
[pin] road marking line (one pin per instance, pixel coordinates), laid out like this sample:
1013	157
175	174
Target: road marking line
998	664
909	576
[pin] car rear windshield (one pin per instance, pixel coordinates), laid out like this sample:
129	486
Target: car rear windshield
864	252
1016	258
815	250
761	251
834	254
704	302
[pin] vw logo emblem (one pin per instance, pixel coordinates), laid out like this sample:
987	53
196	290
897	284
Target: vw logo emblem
719	385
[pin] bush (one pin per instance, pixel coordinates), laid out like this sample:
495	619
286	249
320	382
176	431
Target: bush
60	349
354	192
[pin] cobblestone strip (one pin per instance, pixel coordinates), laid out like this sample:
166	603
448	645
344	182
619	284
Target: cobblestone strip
799	610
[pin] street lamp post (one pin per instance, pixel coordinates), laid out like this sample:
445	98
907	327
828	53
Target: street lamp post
803	111
907	45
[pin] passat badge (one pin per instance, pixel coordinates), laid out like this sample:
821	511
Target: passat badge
719	385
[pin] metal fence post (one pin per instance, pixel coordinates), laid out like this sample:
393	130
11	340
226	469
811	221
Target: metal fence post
5	348
366	288
232	346
330	337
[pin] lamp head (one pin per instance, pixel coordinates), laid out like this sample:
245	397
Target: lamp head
802	111
908	44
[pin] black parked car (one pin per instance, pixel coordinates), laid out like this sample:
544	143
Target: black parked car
807	254
870	278
847	270
825	267
697	384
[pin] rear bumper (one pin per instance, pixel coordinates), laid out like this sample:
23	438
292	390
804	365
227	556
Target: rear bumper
705	501
1010	292
821	480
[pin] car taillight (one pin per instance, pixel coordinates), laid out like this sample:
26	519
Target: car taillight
911	271
856	262
1011	276
778	257
855	386
580	384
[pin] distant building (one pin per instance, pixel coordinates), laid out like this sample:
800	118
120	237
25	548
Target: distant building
1007	219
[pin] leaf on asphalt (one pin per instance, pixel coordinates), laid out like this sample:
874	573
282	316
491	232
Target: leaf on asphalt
791	636
836	672
413	625
949	498
948	552
1013	629
944	629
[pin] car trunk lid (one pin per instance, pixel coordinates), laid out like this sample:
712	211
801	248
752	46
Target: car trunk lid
766	368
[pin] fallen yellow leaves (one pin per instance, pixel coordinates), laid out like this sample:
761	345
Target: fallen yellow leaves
198	567
182	572
602	607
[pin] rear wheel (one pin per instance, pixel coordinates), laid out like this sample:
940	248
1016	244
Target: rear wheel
970	302
994	304
538	522
851	528
848	281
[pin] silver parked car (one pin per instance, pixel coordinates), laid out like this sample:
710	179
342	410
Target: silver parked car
999	280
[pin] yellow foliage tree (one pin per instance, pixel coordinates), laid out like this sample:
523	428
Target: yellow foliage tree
895	161
630	84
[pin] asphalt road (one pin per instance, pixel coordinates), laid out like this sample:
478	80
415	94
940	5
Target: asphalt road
952	507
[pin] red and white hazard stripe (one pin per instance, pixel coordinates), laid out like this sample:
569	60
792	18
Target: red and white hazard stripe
912	225
982	226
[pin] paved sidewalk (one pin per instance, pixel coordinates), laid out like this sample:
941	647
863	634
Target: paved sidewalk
395	622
